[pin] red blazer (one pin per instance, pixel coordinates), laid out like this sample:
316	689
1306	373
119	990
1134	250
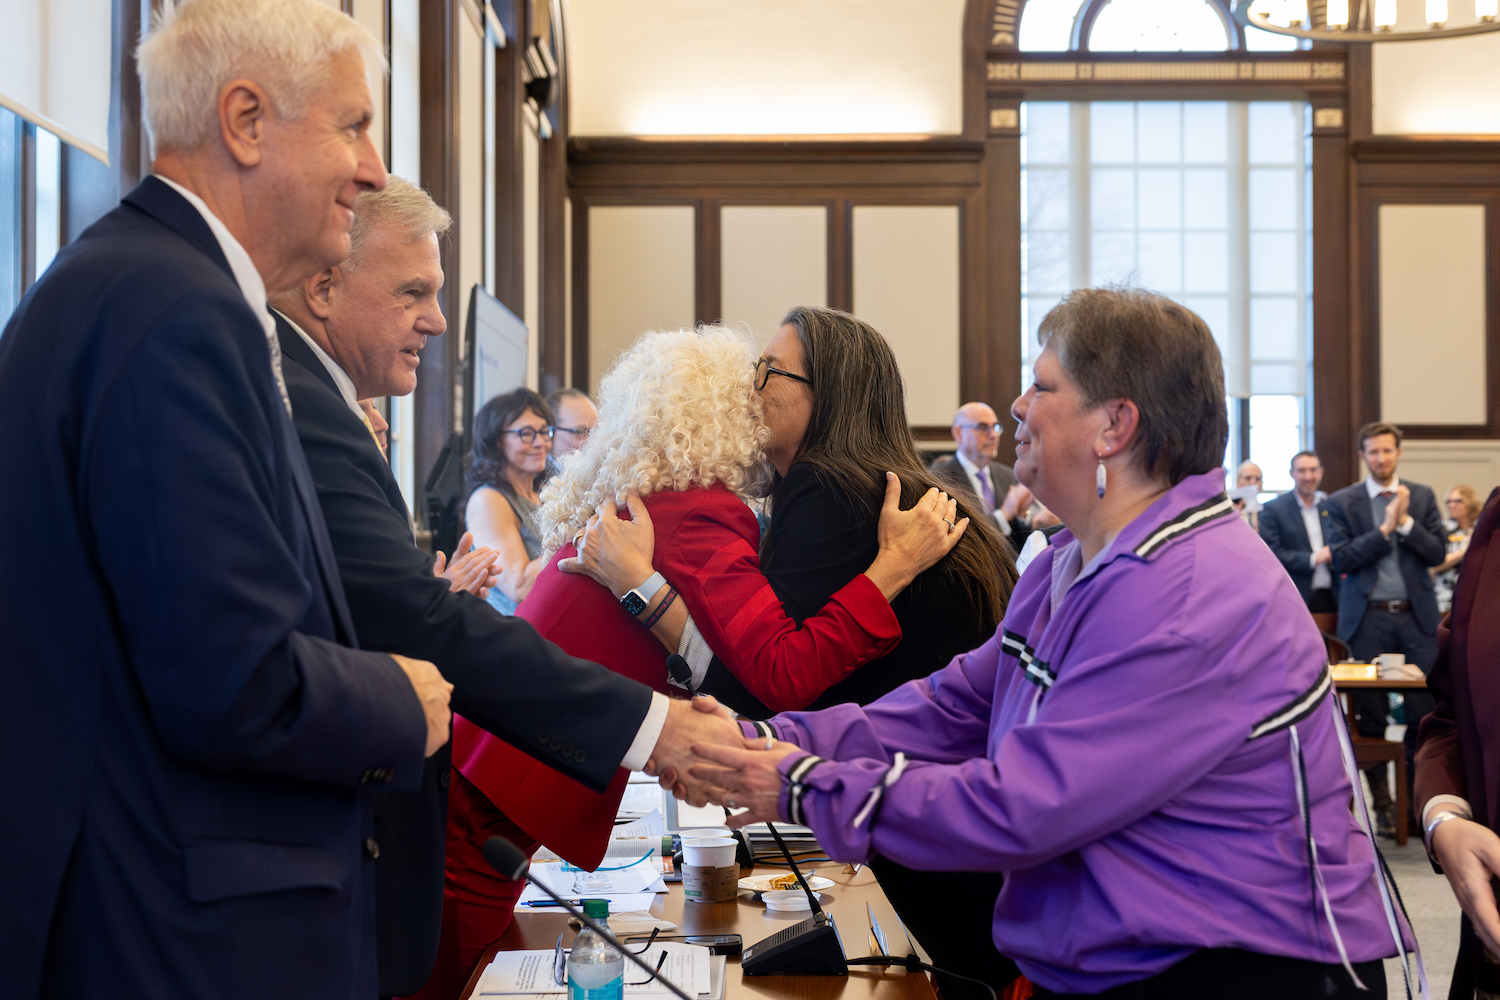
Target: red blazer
706	547
1458	752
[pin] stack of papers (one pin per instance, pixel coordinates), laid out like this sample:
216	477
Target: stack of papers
689	966
632	888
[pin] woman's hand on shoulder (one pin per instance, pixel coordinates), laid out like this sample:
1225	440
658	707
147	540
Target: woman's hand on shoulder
612	551
914	540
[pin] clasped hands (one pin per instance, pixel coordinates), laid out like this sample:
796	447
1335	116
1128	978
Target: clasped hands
703	756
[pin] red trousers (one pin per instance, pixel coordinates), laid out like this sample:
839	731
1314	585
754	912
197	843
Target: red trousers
477	902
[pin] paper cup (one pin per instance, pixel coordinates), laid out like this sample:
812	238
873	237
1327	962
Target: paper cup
1391	664
687	835
708	852
785	899
710	885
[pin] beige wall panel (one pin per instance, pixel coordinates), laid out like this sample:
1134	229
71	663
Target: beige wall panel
772	67
640	277
1432	314
906	283
1446	464
406	94
772	258
371	14
1443	86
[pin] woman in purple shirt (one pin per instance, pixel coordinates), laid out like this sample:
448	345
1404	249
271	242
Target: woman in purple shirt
1149	749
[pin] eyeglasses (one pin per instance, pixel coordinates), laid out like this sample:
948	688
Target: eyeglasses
560	961
528	435
984	428
764	371
579	432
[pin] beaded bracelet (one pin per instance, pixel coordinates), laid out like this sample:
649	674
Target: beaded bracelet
661	608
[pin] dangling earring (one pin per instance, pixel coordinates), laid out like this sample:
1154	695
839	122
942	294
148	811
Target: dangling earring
1099	478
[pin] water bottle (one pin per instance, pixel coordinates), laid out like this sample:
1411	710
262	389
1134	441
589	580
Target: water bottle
596	971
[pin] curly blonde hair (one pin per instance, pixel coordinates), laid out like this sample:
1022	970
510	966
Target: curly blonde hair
676	411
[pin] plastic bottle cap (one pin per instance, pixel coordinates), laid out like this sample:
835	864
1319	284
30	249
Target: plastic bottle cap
598	909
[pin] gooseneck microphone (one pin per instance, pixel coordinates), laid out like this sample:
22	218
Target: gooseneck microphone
679	670
512	863
811	946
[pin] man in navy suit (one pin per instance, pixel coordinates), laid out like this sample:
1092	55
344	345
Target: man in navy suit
1292	527
352	332
190	729
1384	535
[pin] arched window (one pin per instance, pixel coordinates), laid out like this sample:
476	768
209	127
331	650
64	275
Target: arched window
1141	26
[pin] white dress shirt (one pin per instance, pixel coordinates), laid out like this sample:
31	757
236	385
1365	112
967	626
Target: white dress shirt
253	287
340	377
1312	521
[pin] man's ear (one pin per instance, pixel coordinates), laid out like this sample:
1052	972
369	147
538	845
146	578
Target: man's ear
318	291
243	109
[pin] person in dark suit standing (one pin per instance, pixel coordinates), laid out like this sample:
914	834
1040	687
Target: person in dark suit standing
1384	535
1292	526
973	468
1458	757
354	331
190	727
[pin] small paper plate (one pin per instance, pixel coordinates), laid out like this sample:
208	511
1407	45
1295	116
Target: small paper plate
760	883
786	899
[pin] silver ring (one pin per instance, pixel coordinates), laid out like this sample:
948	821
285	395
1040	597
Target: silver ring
951	525
730	802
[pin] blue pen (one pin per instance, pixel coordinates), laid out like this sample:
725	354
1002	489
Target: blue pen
547	902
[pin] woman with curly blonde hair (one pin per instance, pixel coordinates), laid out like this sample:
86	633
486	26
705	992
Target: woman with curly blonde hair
680	432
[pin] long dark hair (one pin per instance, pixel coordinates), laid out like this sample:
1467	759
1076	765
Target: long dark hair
487	462
858	431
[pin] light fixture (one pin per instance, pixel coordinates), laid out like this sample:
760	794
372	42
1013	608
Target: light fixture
1362	20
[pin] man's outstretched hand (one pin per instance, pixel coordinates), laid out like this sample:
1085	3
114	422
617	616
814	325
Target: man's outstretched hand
701	720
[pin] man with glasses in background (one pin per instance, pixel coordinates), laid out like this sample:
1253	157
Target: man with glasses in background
973	468
576	416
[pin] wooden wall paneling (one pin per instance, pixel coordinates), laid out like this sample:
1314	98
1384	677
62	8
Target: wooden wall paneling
708	253
510	96
580	268
841	255
1361	112
552	349
992	350
1332	413
433	401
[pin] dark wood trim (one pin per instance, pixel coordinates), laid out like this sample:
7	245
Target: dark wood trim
433	401
552	342
1333	422
1358	76
129	145
385	40
841	255
580	266
991	351
708	259
510	165
933	433
977	17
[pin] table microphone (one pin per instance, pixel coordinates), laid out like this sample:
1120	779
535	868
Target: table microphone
512	863
812	945
679	671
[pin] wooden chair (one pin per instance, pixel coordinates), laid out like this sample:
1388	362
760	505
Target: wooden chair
1368	751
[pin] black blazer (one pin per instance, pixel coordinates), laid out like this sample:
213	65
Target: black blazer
190	734
505	677
1002	478
1282	530
1358	545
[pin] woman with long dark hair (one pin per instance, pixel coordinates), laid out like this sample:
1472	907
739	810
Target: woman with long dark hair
508	460
834	402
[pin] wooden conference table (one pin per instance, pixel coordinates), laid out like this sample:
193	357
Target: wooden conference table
537	929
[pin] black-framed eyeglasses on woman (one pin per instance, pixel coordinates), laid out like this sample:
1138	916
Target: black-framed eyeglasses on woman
528	435
764	371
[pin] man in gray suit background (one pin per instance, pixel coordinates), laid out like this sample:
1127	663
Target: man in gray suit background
973	468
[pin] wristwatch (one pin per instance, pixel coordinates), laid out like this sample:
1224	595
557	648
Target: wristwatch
637	600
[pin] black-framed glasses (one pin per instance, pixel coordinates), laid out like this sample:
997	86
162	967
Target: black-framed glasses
528	435
560	960
986	428
764	371
581	433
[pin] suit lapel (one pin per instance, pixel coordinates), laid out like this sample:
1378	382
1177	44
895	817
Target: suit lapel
157	199
294	347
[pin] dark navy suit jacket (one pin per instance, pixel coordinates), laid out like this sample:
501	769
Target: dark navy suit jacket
1282	530
190	735
1357	545
506	677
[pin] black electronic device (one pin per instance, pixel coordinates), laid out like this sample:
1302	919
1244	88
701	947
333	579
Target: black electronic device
717	944
810	946
512	863
679	671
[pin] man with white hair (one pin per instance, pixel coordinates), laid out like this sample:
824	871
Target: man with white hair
356	330
190	727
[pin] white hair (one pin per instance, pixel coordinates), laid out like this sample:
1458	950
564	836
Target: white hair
195	47
403	208
677	410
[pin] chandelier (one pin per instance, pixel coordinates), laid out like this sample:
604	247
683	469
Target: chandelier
1359	20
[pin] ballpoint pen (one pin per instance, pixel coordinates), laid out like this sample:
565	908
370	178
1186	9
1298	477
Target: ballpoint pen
547	902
